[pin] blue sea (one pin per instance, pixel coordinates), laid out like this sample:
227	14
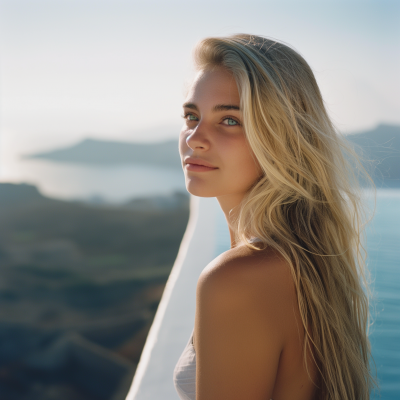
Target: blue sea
383	246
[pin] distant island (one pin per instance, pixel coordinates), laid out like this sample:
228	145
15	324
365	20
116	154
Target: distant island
379	147
104	152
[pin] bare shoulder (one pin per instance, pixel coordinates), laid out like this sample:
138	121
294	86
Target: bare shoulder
244	305
250	277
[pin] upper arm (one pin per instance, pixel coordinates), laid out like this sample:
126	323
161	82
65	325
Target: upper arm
239	330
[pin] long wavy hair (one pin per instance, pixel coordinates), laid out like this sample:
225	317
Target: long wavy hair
307	203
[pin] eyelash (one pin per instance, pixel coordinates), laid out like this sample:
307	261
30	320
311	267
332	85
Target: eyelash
184	116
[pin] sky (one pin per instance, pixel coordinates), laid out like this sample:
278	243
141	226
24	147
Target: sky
117	70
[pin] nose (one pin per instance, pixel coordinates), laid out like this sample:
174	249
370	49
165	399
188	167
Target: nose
197	138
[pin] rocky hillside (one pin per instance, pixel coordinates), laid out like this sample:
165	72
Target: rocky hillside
80	286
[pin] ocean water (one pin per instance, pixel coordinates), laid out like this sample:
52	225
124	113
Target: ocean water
383	246
109	183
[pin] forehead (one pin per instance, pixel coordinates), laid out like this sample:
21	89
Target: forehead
216	86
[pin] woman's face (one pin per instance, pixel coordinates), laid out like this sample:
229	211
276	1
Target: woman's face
216	158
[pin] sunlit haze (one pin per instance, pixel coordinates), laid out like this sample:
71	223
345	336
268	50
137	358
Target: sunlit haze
117	69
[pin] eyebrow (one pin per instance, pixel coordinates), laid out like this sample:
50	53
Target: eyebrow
216	108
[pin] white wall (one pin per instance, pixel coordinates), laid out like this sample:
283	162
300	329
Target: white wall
205	237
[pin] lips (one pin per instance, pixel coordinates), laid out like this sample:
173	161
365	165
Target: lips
198	165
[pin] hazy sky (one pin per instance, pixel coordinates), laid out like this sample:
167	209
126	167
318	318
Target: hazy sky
116	69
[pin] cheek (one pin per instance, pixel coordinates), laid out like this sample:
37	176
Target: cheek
240	167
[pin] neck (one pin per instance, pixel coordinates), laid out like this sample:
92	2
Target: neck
229	205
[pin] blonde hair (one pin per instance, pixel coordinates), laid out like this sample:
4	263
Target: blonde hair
307	204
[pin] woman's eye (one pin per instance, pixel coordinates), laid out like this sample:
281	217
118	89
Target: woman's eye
230	121
190	117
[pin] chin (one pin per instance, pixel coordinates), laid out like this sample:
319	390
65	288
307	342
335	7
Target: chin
201	190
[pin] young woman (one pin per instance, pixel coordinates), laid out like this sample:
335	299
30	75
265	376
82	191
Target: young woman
283	314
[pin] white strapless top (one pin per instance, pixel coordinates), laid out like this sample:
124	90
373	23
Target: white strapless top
185	373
